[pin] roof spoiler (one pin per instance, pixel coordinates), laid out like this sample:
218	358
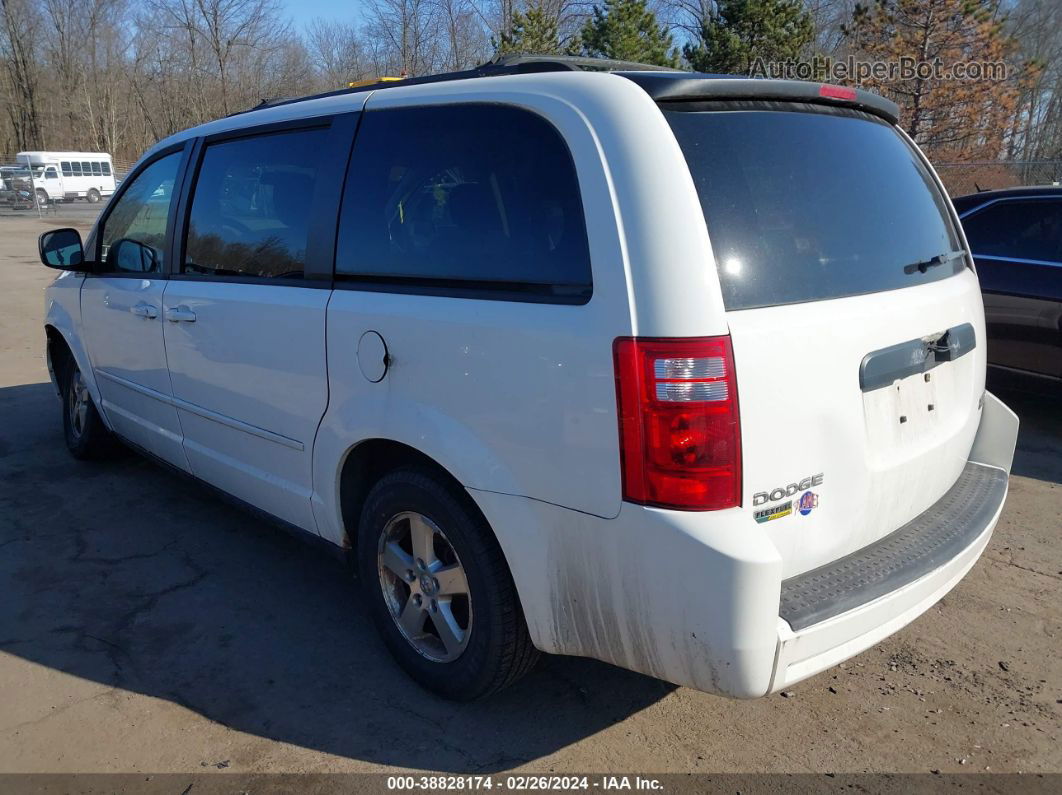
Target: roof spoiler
692	87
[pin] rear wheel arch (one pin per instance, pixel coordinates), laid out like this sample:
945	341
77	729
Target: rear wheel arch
383	482
372	459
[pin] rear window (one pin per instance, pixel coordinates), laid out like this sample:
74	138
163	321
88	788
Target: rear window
805	206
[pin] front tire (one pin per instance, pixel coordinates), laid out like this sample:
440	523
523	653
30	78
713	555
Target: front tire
86	435
42	197
438	588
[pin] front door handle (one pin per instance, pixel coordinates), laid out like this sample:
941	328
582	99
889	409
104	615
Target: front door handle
180	313
145	310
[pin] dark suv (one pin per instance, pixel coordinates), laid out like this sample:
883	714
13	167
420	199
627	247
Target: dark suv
1016	239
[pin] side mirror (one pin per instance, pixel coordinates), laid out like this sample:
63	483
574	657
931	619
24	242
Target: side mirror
62	249
132	256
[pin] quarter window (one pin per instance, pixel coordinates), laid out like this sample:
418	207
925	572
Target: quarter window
1018	229
250	212
472	196
106	168
133	239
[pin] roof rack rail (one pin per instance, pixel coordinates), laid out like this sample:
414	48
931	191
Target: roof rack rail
577	63
499	65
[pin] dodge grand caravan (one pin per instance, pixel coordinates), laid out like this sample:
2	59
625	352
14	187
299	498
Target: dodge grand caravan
678	372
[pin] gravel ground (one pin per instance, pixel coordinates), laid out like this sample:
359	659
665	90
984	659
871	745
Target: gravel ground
146	626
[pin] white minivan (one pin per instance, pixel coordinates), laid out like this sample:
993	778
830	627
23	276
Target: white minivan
678	372
65	176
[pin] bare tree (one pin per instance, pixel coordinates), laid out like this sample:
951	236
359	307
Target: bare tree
338	53
21	26
233	29
407	35
1037	27
466	42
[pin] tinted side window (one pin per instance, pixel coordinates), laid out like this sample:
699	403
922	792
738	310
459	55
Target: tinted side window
86	167
464	193
96	169
134	235
1020	229
251	204
106	169
65	166
75	167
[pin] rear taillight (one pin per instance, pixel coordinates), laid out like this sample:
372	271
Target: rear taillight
680	435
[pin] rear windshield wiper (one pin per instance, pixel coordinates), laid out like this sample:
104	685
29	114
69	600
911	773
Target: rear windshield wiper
932	262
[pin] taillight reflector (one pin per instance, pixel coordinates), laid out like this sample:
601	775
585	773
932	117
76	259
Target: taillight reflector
680	435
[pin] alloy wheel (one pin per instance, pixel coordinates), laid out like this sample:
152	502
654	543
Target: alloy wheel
424	586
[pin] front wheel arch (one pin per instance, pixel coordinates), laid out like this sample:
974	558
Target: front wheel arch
64	348
58	356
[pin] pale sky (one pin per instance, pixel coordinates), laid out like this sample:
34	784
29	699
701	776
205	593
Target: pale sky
302	11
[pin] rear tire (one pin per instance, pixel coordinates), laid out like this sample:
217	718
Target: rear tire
92	196
86	435
438	588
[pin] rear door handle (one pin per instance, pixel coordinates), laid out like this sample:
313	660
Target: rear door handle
145	310
180	313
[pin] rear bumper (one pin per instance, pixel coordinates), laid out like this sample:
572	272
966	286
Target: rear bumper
836	611
700	601
829	614
927	544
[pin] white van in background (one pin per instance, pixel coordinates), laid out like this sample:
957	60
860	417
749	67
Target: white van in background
65	176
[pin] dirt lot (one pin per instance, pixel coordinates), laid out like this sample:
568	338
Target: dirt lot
145	626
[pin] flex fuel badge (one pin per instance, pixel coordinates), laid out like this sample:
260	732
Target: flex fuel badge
774	512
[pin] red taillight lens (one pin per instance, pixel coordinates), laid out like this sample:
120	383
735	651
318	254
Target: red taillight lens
680	435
